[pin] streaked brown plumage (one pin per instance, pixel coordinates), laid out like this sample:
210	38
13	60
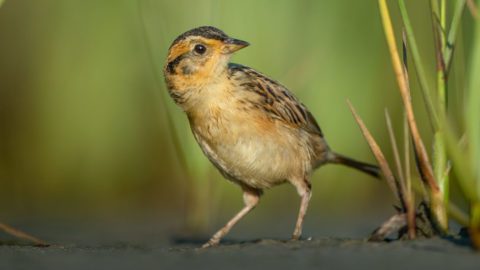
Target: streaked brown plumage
249	126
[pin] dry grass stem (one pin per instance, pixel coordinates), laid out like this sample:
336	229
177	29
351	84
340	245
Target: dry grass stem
22	235
472	8
393	224
406	192
377	152
396	155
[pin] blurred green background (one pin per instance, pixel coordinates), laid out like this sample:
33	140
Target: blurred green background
84	128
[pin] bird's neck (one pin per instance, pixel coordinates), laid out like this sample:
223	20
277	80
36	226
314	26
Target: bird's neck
195	94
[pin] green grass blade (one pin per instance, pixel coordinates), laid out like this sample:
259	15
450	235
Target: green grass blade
428	98
440	164
473	109
452	34
439	22
475	224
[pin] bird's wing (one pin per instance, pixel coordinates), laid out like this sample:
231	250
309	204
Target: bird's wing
275	99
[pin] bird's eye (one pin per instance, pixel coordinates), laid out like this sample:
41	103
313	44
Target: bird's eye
200	49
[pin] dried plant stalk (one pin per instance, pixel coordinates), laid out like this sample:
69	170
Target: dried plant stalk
22	235
472	8
401	182
377	152
396	155
393	224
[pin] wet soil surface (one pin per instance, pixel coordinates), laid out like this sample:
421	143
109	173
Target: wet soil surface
147	248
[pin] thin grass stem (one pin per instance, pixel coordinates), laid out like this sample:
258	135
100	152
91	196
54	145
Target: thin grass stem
411	214
452	34
396	155
22	235
406	194
379	156
472	8
428	98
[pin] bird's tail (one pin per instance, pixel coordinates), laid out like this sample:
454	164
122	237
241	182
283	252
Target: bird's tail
370	169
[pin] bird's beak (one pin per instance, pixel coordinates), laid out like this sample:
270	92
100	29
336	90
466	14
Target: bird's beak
232	45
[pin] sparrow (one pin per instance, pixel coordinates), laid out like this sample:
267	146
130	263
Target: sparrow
251	127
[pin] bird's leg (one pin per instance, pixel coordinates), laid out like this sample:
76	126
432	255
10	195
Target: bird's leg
304	190
250	199
22	235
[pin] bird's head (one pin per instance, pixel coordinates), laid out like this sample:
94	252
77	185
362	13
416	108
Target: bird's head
201	53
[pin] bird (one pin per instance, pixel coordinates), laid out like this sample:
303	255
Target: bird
250	127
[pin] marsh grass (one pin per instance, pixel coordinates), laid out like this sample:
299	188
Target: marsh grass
448	150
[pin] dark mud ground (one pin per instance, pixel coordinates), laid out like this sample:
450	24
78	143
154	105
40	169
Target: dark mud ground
149	245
